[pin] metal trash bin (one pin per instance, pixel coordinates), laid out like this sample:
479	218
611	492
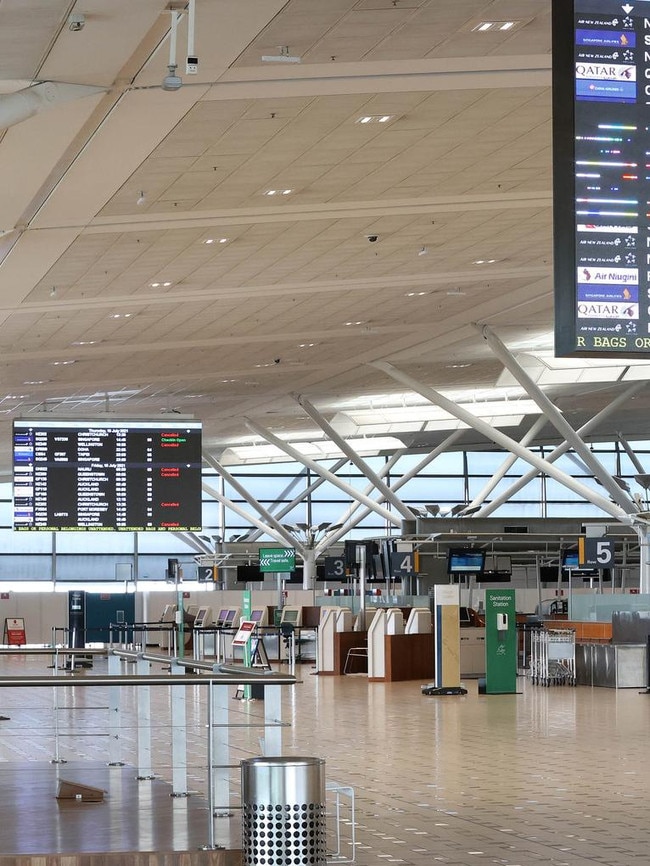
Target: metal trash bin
283	812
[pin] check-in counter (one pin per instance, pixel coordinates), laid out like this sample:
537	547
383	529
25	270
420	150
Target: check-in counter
614	666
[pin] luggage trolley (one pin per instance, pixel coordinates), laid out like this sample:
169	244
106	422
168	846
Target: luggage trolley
553	657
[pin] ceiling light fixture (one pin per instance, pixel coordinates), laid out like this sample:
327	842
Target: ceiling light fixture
415	294
493	26
141	199
283	56
278	192
84	342
455	293
374	118
216	240
121	316
62	363
37	382
306	345
423	251
484	262
164	285
347	324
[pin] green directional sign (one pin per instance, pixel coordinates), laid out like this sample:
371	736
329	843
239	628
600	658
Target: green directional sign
274	560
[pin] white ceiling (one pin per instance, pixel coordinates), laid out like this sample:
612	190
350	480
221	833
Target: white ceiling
106	196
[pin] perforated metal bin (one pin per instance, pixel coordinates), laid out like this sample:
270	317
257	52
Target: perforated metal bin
283	812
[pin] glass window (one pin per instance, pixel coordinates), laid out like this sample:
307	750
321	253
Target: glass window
518	509
89	567
447	463
21	567
530	491
575	510
27	542
163	542
433	489
94	542
485	462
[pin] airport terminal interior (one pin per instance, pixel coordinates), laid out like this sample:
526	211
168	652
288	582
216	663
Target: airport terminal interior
278	346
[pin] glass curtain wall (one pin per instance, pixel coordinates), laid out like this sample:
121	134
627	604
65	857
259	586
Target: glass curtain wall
454	477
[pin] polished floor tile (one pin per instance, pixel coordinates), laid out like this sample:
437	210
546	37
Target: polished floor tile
549	776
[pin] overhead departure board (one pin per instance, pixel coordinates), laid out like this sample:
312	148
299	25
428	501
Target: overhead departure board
107	475
601	123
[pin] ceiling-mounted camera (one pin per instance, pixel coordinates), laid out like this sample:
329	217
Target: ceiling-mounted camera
372	239
76	22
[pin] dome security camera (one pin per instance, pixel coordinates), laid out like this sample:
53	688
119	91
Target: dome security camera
372	239
171	81
76	22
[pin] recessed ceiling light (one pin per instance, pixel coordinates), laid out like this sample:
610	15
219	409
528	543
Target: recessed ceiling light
216	240
228	381
121	316
493	26
164	285
15	396
374	118
415	294
306	345
455	293
37	382
353	323
456	366
278	192
62	363
263	365
485	262
84	342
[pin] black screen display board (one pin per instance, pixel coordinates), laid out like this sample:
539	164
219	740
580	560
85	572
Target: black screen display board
601	147
107	475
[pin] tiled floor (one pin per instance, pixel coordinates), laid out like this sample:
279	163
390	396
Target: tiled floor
552	775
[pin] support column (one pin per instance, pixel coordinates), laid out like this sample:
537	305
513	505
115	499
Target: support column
309	569
644	557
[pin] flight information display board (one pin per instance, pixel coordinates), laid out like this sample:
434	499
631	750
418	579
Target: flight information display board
601	153
107	475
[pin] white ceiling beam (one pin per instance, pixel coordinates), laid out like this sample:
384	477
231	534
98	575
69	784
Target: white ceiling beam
387	494
388	516
502	440
550	410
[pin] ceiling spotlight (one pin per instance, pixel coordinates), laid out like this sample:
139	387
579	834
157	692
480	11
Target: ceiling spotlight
423	251
53	292
171	81
141	199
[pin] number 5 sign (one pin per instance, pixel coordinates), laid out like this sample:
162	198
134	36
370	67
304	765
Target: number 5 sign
596	552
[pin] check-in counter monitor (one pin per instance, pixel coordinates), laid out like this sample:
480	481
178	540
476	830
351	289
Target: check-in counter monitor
259	615
221	617
203	618
292	616
419	621
169	613
232	618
